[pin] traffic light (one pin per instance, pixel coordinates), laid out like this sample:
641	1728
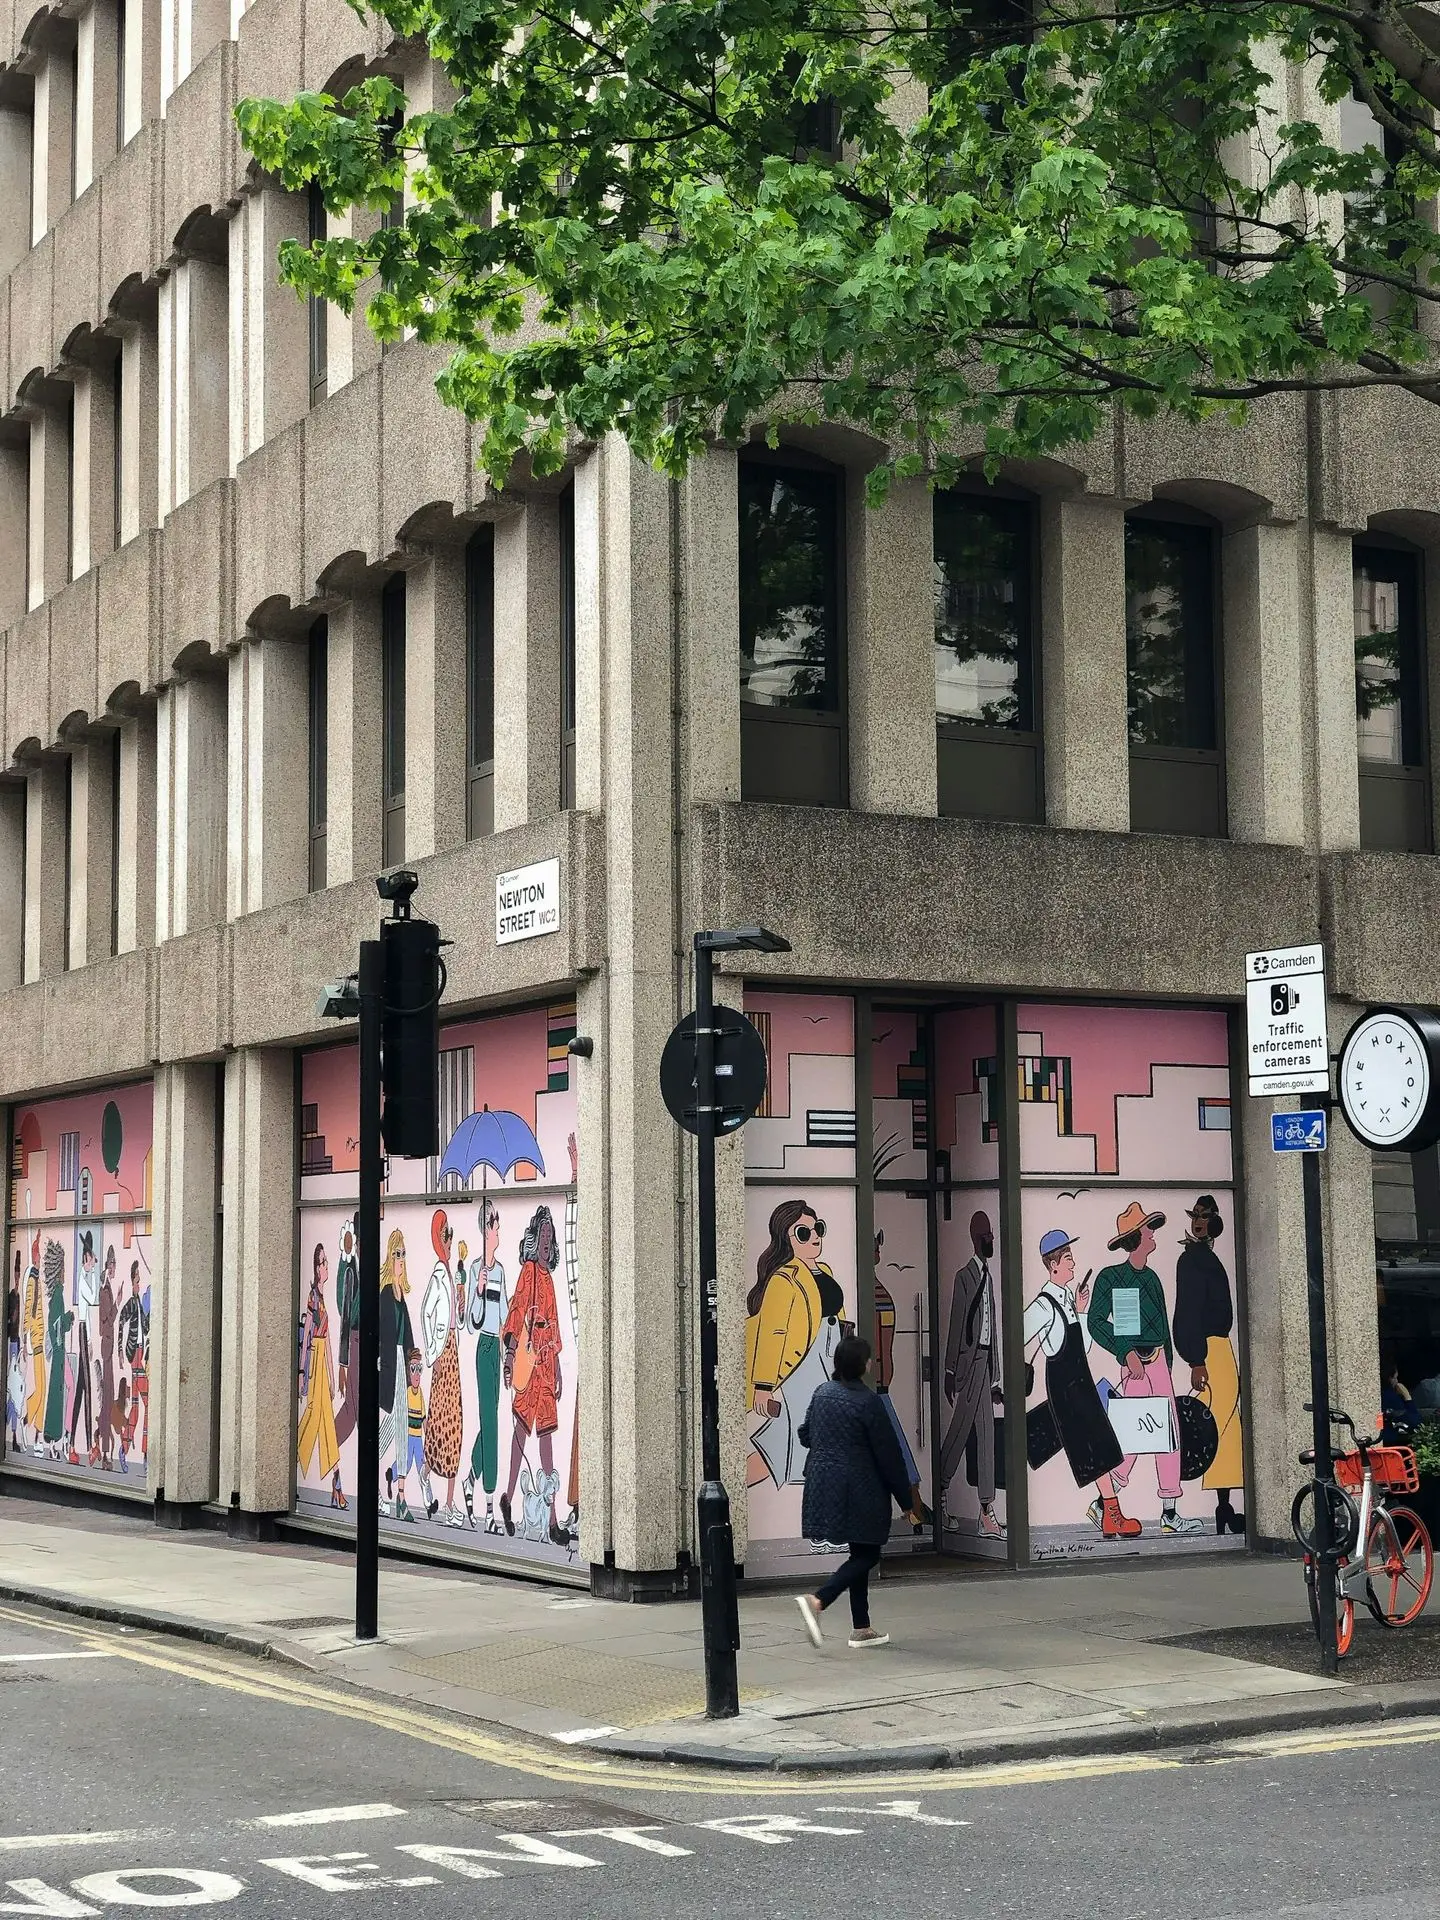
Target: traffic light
410	1037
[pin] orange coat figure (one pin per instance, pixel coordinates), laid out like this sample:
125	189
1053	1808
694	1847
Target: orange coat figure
532	1338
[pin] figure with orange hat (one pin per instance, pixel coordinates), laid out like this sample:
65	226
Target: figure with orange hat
1128	1318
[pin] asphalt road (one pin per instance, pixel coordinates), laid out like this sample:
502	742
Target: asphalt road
138	1773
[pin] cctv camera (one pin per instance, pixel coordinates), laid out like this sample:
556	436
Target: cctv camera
339	999
398	887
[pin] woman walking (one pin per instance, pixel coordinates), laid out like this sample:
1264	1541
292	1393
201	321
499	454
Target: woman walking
853	1470
444	1422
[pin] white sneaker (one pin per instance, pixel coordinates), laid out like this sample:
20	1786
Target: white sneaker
454	1517
810	1614
863	1641
1095	1514
1173	1522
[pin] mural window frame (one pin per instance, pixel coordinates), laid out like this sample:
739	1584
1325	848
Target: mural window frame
1395	786
990	768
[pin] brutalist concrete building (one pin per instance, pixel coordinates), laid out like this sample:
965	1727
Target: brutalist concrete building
1021	771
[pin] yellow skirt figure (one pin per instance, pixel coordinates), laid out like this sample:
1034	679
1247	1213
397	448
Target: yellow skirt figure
317	1423
1227	1469
35	1405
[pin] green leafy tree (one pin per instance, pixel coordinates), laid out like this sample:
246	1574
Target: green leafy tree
936	220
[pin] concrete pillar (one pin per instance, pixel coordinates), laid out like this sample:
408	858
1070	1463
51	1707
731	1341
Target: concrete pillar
353	802
267	840
138	370
14	529
1082	621
268	325
49	565
45	788
891	674
527	664
588	537
200	26
710	613
183	1330
16	137
191	726
92	470
91	829
141	64
635	1151
135	916
50	163
1276	1360
1264	685
340	326
258	1297
1336	777
199	341
435	703
97	82
12	880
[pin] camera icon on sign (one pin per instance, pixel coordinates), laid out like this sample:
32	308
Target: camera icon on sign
1283	999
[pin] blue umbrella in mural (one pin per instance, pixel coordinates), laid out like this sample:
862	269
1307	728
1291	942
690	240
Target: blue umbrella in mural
501	1141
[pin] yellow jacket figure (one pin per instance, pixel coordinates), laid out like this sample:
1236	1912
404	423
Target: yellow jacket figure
779	1336
794	1307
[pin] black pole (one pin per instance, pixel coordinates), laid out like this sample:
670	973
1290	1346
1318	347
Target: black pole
367	1437
1325	1555
719	1603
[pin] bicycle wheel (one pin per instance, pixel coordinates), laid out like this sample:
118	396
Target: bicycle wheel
1344	1606
1399	1566
1344	1518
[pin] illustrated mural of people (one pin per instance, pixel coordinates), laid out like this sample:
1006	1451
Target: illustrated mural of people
347	1312
444	1421
135	1352
411	1455
487	1302
14	1362
969	1374
572	1288
885	1372
793	1329
1204	1320
35	1342
105	1365
1128	1318
397	1342
317	1384
532	1366
89	1295
1053	1327
58	1322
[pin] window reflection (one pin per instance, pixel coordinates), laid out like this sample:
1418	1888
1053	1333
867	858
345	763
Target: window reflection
982	613
1387	662
789	589
1169	636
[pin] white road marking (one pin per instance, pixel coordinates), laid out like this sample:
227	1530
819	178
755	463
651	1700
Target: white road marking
630	1837
466	1860
90	1653
769	1829
332	1872
117	1837
328	1816
37	1898
584	1733
197	1888
901	1810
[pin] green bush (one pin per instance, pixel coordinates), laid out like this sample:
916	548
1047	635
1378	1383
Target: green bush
1427	1448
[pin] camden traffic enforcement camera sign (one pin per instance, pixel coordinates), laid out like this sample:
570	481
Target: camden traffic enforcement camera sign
1287	1048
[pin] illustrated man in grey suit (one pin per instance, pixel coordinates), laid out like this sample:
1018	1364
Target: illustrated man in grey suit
969	1374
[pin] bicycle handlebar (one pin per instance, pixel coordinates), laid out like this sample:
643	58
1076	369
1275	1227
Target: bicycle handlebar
1338	1418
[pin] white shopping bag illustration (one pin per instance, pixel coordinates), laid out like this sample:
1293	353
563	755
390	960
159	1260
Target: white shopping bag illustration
1142	1422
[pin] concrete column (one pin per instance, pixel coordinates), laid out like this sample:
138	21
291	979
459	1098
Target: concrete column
191	805
268	822
1082	620
627	506
435	704
92	470
200	26
183	1330
710	614
135	918
50	164
45	869
258	1298
1336	779
598	1457
138	370
199	335
588	641
14	529
49	568
353	802
141	64
16	138
340	326
269	326
1264	685
97	81
527	664
1276	1360
12	880
1347	1171
91	829
891	674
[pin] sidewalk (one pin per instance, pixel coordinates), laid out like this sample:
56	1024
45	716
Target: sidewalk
983	1666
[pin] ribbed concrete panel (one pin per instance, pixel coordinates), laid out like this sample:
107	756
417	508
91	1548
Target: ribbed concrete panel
27	682
202	158
128	646
73	653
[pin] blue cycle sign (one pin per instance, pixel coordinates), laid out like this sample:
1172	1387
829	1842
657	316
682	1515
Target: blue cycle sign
1298	1132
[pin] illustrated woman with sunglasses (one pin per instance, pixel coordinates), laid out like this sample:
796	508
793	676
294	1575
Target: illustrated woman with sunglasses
790	1339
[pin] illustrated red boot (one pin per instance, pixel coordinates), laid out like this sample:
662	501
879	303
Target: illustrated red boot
1115	1525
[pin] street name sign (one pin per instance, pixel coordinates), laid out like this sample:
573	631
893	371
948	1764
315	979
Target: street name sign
527	902
1286	1045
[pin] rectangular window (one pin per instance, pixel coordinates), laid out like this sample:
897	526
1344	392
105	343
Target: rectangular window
567	648
69	856
120	72
115	750
392	649
319	309
987	745
1177	782
792	741
117	443
1390	718
480	684
319	733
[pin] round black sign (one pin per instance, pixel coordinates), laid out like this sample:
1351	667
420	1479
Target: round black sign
1389	1079
739	1072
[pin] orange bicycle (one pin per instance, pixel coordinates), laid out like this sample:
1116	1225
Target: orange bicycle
1398	1561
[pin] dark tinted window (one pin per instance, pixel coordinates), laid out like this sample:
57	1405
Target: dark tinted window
319	769
983	644
480	683
1389	717
1170	635
392	640
789	587
567	647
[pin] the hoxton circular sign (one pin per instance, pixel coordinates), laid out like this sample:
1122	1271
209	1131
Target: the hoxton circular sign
1390	1079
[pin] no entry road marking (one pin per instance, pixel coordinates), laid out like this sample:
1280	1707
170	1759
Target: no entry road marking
329	1816
25	1842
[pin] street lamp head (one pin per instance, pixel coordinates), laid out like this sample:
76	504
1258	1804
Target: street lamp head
742	939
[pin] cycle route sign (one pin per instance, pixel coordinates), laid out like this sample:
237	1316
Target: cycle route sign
1287	1047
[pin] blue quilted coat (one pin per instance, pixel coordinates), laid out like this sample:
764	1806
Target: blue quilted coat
855	1468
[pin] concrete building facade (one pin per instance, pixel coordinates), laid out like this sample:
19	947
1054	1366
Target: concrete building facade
1021	774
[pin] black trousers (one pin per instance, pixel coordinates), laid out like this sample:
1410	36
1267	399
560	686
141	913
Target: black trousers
854	1573
82	1391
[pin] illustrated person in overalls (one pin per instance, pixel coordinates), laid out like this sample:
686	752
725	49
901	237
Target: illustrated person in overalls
1053	1325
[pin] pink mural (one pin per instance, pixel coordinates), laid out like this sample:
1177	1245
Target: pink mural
78	1283
480	1292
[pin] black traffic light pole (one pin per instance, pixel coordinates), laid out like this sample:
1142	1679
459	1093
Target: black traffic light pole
367	1437
1324	1471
